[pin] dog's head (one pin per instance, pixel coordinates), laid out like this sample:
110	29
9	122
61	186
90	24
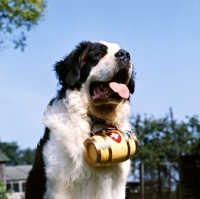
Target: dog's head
103	69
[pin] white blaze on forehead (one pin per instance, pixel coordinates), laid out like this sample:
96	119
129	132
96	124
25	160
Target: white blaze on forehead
112	47
106	69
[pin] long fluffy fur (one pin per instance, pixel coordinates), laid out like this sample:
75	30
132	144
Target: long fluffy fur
60	170
69	176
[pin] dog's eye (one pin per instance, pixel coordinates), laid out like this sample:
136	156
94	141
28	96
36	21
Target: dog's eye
99	54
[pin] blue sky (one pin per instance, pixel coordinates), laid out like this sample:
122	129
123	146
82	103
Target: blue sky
163	38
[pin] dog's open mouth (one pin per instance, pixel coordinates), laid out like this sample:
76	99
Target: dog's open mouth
116	86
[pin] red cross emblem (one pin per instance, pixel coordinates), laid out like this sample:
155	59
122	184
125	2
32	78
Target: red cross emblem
115	136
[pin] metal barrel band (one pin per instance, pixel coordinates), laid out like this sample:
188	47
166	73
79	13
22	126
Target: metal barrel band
128	145
98	152
136	141
109	150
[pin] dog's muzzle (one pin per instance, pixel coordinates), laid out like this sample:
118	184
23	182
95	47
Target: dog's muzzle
116	87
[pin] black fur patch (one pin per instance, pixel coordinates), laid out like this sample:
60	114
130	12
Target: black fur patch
68	70
75	68
36	181
131	85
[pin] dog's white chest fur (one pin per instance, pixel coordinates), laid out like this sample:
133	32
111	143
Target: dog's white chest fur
68	175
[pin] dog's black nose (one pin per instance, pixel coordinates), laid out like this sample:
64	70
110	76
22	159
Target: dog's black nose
123	55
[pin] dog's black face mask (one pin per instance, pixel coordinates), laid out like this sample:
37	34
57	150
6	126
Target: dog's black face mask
74	70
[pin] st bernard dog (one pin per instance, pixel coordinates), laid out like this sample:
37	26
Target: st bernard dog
96	82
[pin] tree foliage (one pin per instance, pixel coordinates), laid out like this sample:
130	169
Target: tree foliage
17	17
17	155
3	193
158	138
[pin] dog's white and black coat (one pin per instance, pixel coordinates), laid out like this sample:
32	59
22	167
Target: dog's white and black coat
83	102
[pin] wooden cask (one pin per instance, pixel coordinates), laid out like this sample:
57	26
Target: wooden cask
110	146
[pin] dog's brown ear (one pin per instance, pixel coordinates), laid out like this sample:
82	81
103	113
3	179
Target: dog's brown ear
131	85
68	70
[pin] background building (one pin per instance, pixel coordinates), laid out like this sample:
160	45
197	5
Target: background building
3	160
14	177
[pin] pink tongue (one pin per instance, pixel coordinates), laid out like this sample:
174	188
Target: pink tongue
121	89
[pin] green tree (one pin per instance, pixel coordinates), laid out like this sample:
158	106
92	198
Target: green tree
158	138
27	156
17	155
18	17
3	193
161	142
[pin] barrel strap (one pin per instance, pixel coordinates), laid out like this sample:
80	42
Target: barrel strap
102	130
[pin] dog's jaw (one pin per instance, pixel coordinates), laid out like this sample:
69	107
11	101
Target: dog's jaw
112	115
